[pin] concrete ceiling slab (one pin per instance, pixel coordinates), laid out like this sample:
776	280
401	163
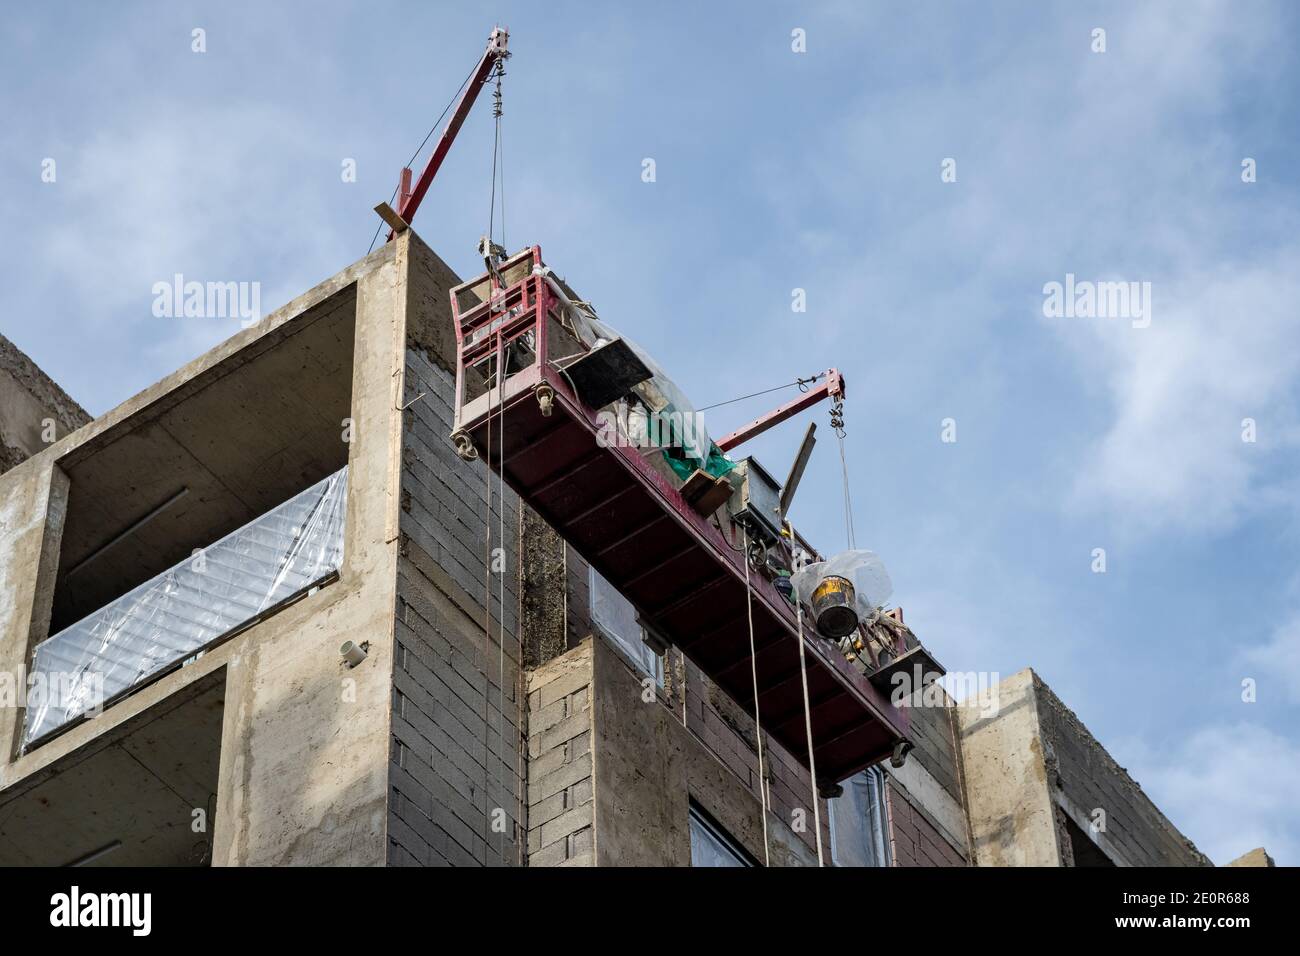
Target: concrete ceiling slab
257	430
139	788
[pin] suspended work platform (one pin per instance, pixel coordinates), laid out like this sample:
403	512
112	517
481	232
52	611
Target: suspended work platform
684	571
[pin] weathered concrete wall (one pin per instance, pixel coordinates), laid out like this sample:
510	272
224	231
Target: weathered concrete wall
649	767
305	743
33	502
1035	775
28	400
546	590
456	766
1256	857
561	823
1012	816
303	771
727	731
1085	779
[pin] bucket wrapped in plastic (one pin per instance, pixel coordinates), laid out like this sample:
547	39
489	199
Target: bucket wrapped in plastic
843	590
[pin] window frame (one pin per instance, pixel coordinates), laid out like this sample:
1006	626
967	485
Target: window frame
881	806
696	814
635	650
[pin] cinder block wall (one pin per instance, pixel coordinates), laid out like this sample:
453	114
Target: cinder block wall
1084	778
930	817
28	398
303	768
715	722
915	839
455	753
1031	766
926	798
611	776
725	729
456	765
561	829
931	730
649	768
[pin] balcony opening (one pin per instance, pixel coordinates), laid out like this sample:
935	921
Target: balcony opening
1082	848
144	794
199	514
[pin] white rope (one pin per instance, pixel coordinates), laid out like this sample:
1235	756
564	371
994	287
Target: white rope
758	729
520	691
501	586
807	717
501	615
487	623
498	166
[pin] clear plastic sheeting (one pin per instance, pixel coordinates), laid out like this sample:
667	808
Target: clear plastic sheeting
858	821
871	584
617	618
679	423
186	608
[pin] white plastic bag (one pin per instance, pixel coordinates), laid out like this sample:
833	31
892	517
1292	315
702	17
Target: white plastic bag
871	584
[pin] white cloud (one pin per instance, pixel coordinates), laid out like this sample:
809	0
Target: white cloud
1229	788
1277	664
216	193
1221	347
154	198
1124	166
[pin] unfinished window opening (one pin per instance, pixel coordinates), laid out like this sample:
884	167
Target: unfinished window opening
143	794
199	515
225	587
711	845
616	618
1083	850
857	821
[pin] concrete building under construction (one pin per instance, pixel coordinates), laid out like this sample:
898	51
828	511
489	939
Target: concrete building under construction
304	602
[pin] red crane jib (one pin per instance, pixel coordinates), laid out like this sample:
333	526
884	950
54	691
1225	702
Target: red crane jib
409	197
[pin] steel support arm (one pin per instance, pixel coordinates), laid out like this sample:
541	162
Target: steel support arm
833	387
409	198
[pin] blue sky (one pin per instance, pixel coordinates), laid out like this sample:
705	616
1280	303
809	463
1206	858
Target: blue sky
777	170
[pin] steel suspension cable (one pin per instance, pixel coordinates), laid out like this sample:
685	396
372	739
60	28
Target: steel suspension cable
801	382
850	536
432	129
837	423
498	159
